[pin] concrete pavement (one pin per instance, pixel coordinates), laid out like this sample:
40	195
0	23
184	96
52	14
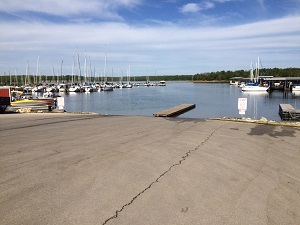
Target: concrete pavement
92	169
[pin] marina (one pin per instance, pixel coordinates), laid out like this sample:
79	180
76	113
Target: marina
274	83
136	112
216	100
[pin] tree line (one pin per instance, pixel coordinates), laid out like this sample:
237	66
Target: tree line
205	77
226	75
19	80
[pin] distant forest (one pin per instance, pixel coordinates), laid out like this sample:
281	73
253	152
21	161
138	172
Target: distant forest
226	75
219	76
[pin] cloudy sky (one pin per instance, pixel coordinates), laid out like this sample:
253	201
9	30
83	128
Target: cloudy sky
152	37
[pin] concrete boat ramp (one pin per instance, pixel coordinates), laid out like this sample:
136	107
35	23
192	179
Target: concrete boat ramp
92	169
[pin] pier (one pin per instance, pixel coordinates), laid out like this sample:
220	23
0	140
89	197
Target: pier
288	112
175	111
282	83
276	83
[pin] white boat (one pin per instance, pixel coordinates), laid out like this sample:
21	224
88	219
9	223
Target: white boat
74	88
62	87
296	87
107	86
255	87
128	85
87	88
39	88
242	85
254	84
162	83
51	89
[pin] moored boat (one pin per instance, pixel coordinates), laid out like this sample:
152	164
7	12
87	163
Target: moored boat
255	83
162	83
296	87
26	100
74	88
255	87
108	87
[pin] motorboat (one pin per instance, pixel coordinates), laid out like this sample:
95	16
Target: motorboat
296	87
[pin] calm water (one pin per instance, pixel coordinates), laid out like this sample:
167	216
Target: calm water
212	100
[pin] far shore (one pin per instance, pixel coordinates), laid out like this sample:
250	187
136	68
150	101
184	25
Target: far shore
210	81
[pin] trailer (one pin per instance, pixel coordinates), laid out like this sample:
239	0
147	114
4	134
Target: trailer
5	98
18	101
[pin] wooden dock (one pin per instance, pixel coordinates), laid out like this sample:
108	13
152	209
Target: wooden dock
175	111
288	112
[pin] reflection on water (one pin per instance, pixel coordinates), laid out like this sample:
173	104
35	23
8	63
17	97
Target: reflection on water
254	99
212	101
296	94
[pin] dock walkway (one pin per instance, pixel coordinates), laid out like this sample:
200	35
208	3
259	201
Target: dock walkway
176	110
288	112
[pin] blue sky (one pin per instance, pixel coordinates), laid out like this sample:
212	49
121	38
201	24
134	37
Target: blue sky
165	37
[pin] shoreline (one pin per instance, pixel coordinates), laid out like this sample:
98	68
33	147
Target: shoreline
263	121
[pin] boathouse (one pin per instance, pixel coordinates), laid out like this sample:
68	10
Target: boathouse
282	83
276	83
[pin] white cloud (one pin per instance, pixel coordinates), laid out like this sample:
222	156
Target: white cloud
169	49
190	8
66	8
196	7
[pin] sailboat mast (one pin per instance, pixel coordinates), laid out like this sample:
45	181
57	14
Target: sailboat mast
26	75
61	69
85	68
73	67
9	78
105	61
257	67
16	78
78	61
251	73
256	72
37	69
128	74
90	71
53	72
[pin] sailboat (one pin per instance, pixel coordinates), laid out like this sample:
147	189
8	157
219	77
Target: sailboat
254	84
128	84
106	86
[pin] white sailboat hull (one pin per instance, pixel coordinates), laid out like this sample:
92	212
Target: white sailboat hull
255	88
108	88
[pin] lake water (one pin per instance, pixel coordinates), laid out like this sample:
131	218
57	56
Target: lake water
212	101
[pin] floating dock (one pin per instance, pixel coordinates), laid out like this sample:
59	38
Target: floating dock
175	111
288	112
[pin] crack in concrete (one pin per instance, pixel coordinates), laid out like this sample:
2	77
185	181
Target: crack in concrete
160	176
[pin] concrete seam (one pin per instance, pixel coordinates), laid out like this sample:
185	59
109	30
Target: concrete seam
160	176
